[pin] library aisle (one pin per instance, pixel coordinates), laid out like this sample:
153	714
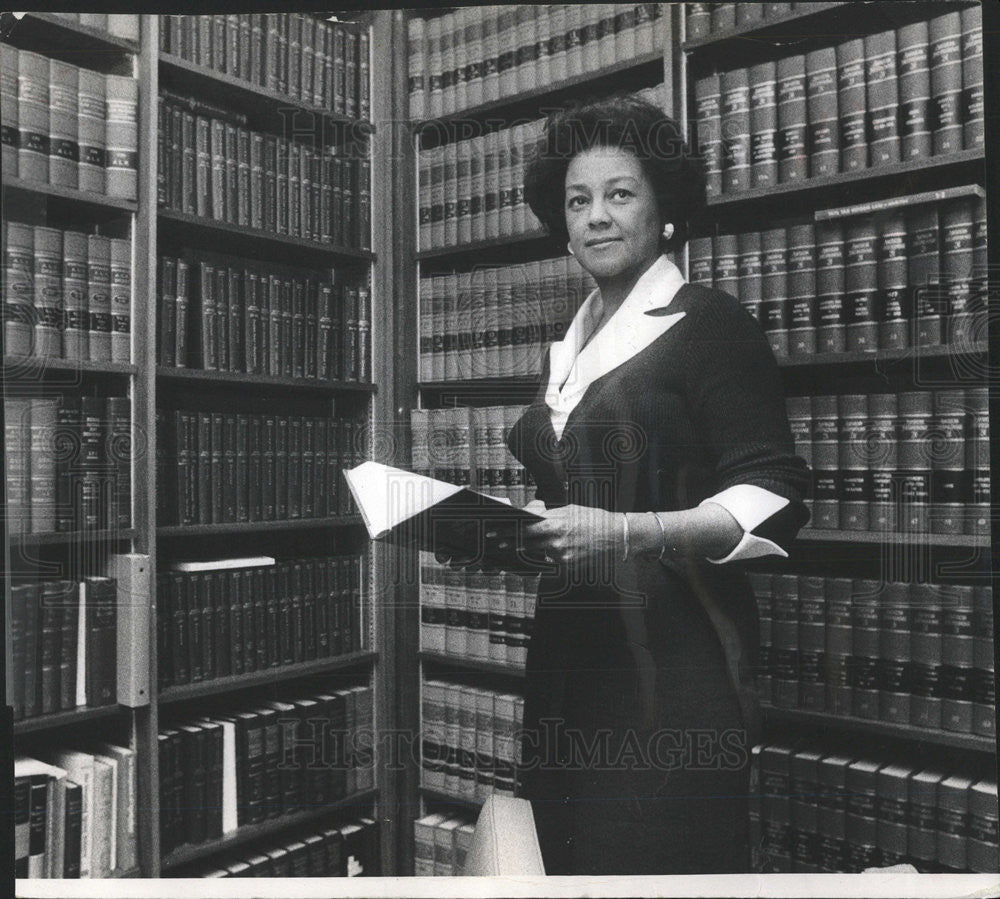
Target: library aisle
244	253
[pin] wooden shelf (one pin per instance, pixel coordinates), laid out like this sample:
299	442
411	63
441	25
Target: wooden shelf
83	199
69	718
817	21
490	247
817	535
248	833
442	796
482	666
264	108
183	226
55	33
878	357
252	527
873	727
54	537
829	190
241	379
622	74
220	685
29	368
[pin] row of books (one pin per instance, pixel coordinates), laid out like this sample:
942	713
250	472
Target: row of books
474	615
906	653
473	189
217	467
223	313
889	97
844	812
123	26
64	638
467	445
68	463
234	620
350	850
213	166
441	843
67	294
68	126
475	55
227	769
468	739
913	276
703	19
915	462
497	321
75	812
321	63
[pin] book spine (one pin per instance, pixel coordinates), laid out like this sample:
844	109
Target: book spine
18	299
775	296
99	298
188	172
228	463
91	511
763	125
119	425
802	311
973	104
821	102
9	135
923	274
851	103
945	46
121	300
182	303
792	119
203	455
64	147
894	295
101	608
882	98
258	467
42	464
861	285
855	477
122	155
176	601
33	116
825	462
234	320
914	91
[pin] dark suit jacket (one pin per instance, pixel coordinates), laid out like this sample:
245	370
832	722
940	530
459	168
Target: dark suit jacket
699	409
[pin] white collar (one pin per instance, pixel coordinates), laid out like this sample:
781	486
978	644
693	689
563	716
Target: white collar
625	334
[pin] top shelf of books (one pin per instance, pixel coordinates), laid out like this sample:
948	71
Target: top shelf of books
76	32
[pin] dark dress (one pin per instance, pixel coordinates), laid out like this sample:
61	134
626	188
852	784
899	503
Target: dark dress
639	712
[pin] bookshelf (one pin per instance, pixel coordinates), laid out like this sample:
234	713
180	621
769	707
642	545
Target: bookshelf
934	562
150	231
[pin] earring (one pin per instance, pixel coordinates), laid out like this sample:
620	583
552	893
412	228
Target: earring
668	231
569	249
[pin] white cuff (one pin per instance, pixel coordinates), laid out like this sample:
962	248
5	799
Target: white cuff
749	505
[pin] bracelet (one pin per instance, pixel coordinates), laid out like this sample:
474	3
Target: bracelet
625	535
663	534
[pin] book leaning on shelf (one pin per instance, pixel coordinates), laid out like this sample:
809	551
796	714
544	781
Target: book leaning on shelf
434	515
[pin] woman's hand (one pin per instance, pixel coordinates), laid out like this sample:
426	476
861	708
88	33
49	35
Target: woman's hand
572	535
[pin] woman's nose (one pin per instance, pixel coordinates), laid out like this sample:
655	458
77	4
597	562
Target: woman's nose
598	213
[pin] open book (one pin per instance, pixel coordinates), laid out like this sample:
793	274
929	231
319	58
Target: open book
413	509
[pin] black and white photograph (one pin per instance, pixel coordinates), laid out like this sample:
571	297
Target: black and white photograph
500	450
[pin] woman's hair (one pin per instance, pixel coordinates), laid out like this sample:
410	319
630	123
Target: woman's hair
625	122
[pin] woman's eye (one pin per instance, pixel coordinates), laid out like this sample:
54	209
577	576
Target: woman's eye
575	202
621	194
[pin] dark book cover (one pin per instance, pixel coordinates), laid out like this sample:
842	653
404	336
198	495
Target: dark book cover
236	326
213	735
119	419
177	603
222	316
865	602
256	466
307	467
257	179
914	74
319	488
101	641
895	653
894	299
812	644
295	586
763	125
281	468
295	466
218	151
75	297
308	611
186	462
347	605
285	352
335	600
196	629
66	594
336	860
272	619
168	310
38	812
241	467
164	628
259	589
175	158
73	830
94	486
165	764
21	824
775	296
862	825
945	35
206	604
861	284
298	327
251	314
67	438
232	174
189	198
801	266
49	645
364	349
325	363
217	586
267	473
294	189
274	337
182	317
233	581
250	766
957	658
270	184
915	459
793	160
227	434
249	622
195	796
207	331
203	455
972	104
821	112
839	645
243	177
851	104
855	496
285	648
882	98
321	594
162	120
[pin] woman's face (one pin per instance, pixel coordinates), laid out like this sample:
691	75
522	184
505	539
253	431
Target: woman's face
611	213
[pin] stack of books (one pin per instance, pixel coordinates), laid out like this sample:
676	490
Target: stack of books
441	843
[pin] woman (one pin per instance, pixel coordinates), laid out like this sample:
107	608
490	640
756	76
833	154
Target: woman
662	457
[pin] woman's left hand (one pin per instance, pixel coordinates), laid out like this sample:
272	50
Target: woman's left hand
574	534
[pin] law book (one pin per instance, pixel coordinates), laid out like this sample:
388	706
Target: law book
945	53
80	768
775	295
822	112
793	157
698	19
882	98
957	658
64	151
915	112
101	640
41	419
24	599
72	830
851	103
9	136
49	647
99	298
983	689
19	280
926	650
122	130
91	499
972	104
735	129
33	116
260	491
861	284
854	497
763	124
801	281
168	311
92	130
